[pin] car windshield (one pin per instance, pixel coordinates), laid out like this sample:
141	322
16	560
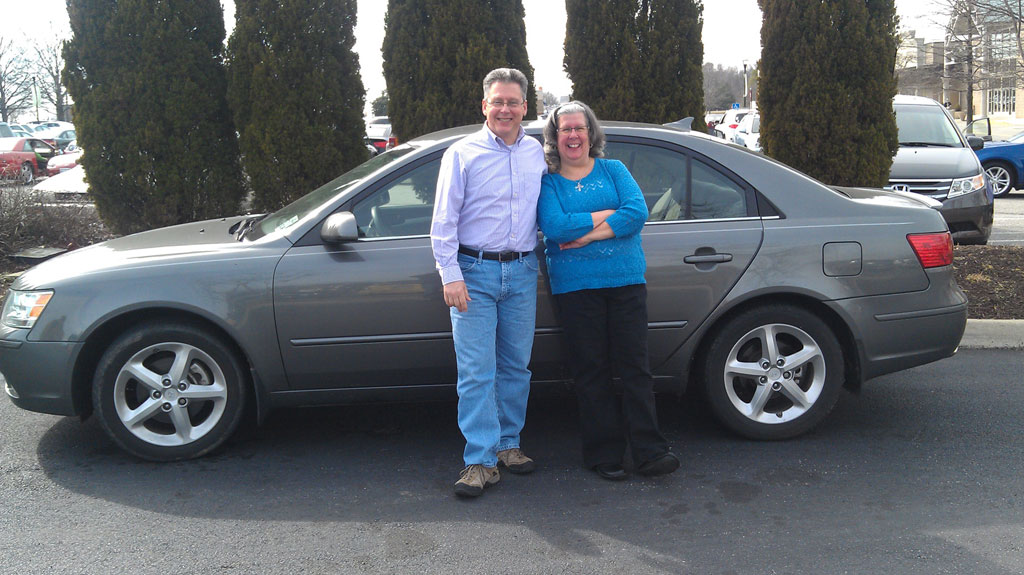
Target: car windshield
300	208
1018	137
925	126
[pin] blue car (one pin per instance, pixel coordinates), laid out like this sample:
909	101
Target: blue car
1004	164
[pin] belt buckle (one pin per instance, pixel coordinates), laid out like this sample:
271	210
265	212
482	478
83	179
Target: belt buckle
506	256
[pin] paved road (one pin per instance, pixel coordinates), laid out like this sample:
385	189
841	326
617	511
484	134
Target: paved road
922	472
1008	223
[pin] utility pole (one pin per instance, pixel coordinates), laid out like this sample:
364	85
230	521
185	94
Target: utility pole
746	90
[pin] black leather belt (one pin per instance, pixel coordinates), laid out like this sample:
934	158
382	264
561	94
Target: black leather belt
496	256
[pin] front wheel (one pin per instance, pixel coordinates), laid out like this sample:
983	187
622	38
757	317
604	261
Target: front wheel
169	391
27	174
1002	182
773	372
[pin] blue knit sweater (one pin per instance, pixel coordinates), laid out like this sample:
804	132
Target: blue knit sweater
563	213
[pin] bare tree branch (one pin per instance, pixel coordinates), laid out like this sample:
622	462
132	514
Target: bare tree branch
15	80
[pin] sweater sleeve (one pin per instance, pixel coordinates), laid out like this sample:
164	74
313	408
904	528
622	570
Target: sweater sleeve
554	221
629	217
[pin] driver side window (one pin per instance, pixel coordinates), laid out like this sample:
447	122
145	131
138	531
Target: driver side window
403	207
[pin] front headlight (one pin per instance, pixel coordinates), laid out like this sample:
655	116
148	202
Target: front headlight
22	308
963	186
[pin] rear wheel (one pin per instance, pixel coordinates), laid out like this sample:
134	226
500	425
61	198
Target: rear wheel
169	391
27	174
773	372
1002	181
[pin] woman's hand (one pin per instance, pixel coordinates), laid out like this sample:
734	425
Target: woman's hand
577	243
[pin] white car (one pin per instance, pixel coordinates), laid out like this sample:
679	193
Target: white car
378	134
727	127
748	133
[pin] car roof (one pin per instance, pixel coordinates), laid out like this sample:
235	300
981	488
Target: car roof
919	100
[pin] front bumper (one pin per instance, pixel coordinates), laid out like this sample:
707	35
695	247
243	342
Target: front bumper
39	373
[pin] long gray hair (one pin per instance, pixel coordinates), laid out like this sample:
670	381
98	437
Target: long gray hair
594	133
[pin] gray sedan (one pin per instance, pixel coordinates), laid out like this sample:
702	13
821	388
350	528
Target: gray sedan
767	289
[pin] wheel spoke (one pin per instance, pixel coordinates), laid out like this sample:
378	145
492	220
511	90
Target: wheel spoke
736	367
769	345
182	359
142	413
793	392
757	403
214	391
806	355
144	375
182	424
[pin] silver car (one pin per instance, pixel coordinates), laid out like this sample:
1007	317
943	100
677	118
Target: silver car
767	289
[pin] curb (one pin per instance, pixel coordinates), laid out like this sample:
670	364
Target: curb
993	334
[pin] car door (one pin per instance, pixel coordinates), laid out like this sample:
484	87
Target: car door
370	312
702	232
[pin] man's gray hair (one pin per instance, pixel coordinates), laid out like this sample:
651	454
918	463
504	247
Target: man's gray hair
505	76
594	133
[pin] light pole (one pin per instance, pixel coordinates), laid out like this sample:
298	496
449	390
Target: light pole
745	89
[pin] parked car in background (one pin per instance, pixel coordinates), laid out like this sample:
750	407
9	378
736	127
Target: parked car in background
1003	161
748	133
24	159
713	118
64	162
63	138
378	134
767	290
936	160
5	130
726	129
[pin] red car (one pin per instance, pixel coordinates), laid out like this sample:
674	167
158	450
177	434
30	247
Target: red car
23	159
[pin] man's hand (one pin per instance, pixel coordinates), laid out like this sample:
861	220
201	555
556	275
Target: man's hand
456	295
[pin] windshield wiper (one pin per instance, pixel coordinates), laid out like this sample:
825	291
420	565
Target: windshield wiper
926	144
243	227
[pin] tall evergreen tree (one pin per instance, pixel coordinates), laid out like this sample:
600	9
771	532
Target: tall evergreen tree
296	94
436	54
831	61
637	60
149	89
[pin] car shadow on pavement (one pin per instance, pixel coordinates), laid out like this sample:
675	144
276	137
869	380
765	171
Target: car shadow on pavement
878	466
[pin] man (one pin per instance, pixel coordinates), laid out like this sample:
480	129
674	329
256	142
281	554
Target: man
483	235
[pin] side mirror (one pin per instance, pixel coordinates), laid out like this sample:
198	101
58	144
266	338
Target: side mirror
339	227
975	143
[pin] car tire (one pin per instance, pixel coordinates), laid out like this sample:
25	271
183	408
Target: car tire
169	391
27	174
773	372
1001	176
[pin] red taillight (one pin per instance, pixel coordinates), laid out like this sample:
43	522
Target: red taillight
934	250
734	126
392	142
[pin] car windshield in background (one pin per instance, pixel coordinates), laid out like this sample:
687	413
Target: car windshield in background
300	208
1018	137
918	126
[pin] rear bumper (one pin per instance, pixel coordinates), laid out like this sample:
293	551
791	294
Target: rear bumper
901	331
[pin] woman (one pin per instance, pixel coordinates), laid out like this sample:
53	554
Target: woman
591	211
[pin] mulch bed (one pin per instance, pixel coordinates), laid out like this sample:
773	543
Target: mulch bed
992	277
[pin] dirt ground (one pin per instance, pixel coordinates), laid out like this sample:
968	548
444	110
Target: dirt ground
992	277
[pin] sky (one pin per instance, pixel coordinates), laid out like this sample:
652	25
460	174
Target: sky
732	33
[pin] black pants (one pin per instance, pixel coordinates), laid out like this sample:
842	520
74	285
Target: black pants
606	335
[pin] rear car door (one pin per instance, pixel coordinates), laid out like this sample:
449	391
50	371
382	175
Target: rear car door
702	233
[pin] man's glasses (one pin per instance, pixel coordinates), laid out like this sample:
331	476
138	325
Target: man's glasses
503	103
581	130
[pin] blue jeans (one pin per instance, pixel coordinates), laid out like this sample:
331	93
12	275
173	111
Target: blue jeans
493	341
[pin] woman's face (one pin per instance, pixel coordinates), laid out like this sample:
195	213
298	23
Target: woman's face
573	138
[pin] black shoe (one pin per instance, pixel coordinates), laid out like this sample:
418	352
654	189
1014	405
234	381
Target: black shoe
611	471
661	465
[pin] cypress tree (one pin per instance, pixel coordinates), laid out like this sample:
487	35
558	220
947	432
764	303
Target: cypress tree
637	60
436	54
831	61
296	95
149	89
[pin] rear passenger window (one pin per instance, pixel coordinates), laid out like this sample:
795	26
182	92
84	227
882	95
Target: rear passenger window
677	187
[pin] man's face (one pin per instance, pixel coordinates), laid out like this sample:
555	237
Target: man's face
503	118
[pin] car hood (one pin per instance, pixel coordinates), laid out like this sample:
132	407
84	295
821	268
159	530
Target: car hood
205	240
922	163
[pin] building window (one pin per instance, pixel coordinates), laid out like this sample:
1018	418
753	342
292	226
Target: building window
1002	97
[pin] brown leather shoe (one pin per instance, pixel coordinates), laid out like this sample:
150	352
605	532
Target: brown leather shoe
474	478
516	461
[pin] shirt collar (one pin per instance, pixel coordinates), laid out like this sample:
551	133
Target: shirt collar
497	140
